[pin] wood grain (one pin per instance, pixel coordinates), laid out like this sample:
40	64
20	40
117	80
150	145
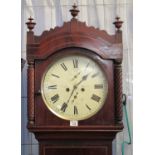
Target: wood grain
118	91
94	135
30	75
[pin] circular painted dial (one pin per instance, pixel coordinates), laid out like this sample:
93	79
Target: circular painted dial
74	87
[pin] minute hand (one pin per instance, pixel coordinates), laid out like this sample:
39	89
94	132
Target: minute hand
74	88
83	79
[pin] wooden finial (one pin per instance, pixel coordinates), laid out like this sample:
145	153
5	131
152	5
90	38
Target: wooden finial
118	23
30	24
74	11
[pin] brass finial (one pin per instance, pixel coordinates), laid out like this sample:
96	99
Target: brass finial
74	11
30	23
118	23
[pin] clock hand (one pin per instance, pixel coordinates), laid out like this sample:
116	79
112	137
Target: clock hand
83	79
74	88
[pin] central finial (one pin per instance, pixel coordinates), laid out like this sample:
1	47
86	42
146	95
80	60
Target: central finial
74	11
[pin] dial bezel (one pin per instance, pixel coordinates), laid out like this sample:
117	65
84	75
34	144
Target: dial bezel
81	52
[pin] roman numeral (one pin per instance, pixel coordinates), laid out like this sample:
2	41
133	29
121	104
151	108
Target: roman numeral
55	75
55	98
75	63
88	107
63	66
64	106
52	87
94	75
98	86
95	98
75	110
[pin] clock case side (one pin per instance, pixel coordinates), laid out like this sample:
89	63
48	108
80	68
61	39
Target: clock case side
75	34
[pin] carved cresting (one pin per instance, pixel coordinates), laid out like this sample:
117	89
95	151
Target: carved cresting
118	91
30	92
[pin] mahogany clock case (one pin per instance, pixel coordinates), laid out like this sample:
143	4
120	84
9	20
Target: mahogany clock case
95	134
44	117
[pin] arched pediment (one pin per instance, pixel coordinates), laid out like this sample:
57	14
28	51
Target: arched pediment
75	34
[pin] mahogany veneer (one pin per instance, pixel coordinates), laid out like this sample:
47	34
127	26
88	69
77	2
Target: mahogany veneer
94	135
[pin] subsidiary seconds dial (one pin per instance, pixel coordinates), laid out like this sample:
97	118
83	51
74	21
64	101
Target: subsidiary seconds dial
74	87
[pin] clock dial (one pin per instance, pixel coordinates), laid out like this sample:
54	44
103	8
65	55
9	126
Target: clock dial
74	87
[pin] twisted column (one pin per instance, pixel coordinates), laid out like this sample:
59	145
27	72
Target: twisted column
118	91
30	92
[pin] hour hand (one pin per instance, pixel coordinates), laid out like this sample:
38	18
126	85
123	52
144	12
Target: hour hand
85	76
83	79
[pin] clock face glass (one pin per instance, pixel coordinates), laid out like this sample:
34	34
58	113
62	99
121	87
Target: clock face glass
74	87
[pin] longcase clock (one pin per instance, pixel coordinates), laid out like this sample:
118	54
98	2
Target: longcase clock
74	88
